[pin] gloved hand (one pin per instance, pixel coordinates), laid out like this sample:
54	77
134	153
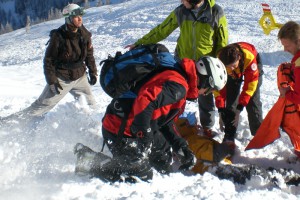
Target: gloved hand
92	79
54	88
235	122
186	158
144	139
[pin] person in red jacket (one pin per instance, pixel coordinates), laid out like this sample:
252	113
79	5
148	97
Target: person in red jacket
289	35
285	112
140	132
243	65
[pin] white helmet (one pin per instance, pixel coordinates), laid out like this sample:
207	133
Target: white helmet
214	71
72	10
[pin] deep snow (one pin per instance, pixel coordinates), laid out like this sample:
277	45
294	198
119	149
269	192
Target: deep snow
36	157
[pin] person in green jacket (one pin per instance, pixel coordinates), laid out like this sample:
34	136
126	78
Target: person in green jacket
203	31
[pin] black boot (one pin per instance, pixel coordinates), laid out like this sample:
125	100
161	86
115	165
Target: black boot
124	169
87	159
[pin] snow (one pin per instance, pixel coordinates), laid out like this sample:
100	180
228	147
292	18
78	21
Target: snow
36	157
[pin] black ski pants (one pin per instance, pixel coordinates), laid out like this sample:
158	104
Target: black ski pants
254	107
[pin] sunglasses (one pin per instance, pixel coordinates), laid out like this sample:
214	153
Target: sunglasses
77	12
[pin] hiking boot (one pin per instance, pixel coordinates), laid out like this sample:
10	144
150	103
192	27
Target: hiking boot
124	169
87	158
208	132
231	145
84	159
221	152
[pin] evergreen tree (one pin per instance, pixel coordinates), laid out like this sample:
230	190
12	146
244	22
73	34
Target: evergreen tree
8	28
19	6
99	3
28	22
86	4
2	31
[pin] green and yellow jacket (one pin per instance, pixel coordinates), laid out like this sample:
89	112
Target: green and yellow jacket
201	34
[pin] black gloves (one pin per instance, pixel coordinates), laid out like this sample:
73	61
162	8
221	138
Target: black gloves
186	158
54	88
92	79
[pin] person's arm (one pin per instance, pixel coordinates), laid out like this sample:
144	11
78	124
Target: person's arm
221	34
251	76
179	146
50	58
90	60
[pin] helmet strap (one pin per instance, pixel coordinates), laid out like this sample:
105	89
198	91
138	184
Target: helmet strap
208	70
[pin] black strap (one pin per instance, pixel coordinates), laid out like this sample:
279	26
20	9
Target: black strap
103	145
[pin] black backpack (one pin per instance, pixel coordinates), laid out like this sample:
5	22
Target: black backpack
121	75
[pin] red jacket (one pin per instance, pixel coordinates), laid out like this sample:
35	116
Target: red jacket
159	101
250	73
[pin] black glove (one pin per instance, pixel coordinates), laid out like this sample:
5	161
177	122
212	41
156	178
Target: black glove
92	79
186	158
54	88
145	145
144	139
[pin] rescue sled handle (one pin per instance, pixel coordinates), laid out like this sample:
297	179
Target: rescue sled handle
267	21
